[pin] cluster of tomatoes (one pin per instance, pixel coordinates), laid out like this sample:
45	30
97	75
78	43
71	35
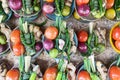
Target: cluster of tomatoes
116	37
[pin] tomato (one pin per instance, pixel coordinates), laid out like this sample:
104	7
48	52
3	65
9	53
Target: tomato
117	44
15	36
116	33
51	32
80	2
12	74
18	49
82	36
84	75
66	11
50	74
109	4
49	1
114	73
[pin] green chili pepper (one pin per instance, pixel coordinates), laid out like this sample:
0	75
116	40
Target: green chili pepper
60	64
63	76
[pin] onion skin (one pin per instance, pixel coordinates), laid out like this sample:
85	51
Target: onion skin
48	44
82	47
83	10
15	4
48	8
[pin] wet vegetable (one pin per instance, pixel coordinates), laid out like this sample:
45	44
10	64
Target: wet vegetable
15	4
2	39
48	8
82	47
116	33
82	36
66	11
38	46
81	2
83	10
48	44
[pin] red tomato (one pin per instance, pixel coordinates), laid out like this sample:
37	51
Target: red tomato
18	49
50	74
109	4
51	32
114	73
12	74
80	2
84	75
117	44
15	36
82	36
116	33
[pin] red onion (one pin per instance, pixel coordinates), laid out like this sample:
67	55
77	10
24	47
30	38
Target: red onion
48	44
38	46
48	8
82	47
15	4
83	10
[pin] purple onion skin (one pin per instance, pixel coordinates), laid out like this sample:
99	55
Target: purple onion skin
15	4
38	46
48	8
48	44
3	48
83	10
82	47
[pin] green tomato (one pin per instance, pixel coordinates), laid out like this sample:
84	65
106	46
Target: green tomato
53	53
66	11
2	39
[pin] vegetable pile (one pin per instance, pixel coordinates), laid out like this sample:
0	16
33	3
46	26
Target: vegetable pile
63	71
59	40
25	7
92	70
94	41
63	8
113	10
5	12
90	9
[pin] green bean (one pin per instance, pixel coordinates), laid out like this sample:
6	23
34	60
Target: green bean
58	7
63	76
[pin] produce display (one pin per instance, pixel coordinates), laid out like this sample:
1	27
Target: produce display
91	10
60	41
52	8
52	47
26	8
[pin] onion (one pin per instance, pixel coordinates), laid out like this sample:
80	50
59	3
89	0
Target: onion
82	47
48	8
38	46
15	4
48	44
83	10
16	15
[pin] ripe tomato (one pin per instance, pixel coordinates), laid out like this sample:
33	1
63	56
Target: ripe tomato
114	73
80	2
18	49
12	74
51	32
109	4
84	75
117	44
82	36
116	33
49	1
15	36
50	74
